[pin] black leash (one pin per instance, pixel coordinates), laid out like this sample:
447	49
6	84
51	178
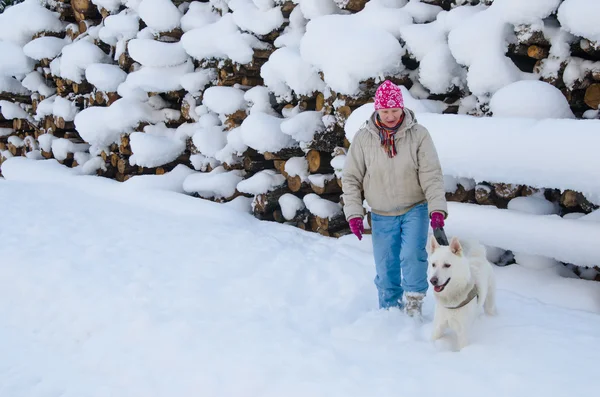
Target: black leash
440	236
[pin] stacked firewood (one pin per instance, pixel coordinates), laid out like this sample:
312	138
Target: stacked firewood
308	171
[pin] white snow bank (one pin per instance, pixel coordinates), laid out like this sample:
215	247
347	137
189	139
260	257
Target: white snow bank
526	149
262	132
290	204
232	44
156	53
45	47
77	57
105	77
11	85
536	204
61	148
160	15
159	79
109	5
530	99
14	61
520	12
198	15
286	72
171	181
546	235
303	126
196	81
210	139
11	110
261	182
575	17
321	207
150	150
217	183
101	126
252	19
36	82
18	23
62	107
322	315
224	100
119	28
351	53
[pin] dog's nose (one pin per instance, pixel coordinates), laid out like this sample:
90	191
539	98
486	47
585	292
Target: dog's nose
433	280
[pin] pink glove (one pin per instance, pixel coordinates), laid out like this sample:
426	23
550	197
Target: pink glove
357	227
437	220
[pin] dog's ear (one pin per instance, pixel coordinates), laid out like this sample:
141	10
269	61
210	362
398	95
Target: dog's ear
432	245
455	246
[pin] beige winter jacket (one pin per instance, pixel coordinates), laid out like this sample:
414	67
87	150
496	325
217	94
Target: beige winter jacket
392	186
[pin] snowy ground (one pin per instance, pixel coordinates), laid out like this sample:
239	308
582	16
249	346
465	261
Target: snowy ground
125	292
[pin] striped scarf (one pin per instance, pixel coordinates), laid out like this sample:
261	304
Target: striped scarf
387	134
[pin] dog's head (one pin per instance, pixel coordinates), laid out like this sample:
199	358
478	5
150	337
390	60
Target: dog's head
447	266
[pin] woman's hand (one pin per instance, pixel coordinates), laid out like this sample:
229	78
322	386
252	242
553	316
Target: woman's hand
357	227
437	220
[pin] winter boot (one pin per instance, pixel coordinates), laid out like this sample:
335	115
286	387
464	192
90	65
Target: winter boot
413	303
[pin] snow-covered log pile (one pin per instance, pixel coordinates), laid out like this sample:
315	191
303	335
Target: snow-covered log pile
258	100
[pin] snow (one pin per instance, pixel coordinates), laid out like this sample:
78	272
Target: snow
12	110
250	18
262	132
303	126
297	166
45	47
160	15
14	61
102	302
549	236
198	15
224	100
156	53
232	43
321	207
290	205
153	150
286	72
35	82
530	98
218	183
109	5
351	53
20	22
261	182
579	23
102	126
61	147
64	108
105	77
533	205
210	139
76	57
122	26
196	81
12	85
159	79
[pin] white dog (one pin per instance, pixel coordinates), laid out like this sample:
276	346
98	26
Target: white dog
463	283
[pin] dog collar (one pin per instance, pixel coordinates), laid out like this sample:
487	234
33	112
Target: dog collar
472	294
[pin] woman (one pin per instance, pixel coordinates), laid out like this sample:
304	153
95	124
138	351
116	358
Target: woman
393	159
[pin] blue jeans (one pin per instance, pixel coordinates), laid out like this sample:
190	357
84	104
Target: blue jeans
400	256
